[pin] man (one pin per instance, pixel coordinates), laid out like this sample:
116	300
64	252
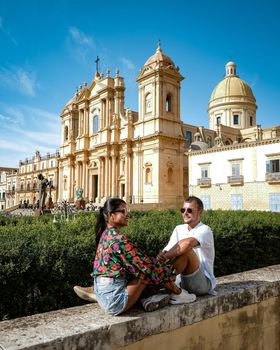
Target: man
195	241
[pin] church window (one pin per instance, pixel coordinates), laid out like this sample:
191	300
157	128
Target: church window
274	202
148	103
235	170
148	176
66	133
236	202
206	200
170	175
197	136
204	173
168	103
235	119
218	120
188	138
251	121
95	124
273	166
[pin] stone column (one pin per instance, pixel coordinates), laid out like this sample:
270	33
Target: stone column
103	112
114	176
85	179
127	178
89	184
86	117
71	180
60	196
106	174
100	179
107	112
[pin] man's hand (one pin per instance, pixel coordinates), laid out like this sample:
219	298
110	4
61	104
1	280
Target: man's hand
161	257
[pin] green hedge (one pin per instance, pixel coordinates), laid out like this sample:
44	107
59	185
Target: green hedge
41	261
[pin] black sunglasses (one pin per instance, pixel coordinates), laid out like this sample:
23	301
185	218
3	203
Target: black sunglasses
188	210
124	211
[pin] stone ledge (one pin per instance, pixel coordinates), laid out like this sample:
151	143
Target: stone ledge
88	327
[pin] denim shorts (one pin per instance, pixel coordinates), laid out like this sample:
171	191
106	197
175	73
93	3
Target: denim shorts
196	283
111	294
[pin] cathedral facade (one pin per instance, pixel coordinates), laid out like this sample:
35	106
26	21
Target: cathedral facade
107	150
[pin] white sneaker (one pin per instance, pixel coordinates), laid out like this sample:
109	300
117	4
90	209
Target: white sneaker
85	293
183	298
155	302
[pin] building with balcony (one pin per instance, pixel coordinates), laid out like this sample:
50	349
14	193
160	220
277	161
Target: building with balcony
241	169
7	187
27	184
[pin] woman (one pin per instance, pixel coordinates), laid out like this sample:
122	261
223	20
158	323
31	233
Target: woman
121	271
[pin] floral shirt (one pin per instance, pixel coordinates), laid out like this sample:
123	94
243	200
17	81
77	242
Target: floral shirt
117	256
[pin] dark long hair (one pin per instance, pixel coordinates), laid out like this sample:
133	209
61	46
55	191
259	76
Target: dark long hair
110	205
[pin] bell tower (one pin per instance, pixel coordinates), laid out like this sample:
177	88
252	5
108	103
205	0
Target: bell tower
158	131
159	96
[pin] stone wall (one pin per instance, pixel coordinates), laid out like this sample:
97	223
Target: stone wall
245	315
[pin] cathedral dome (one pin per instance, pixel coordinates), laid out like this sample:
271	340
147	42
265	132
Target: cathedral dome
159	59
231	87
232	102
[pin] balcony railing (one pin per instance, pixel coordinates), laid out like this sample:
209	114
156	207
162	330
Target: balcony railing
237	180
10	192
272	177
27	189
204	182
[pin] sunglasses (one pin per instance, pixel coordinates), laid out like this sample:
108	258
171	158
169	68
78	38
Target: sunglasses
188	210
124	211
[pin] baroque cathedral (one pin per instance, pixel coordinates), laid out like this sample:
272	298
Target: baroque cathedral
108	150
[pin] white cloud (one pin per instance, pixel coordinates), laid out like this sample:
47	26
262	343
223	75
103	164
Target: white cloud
254	80
81	45
7	32
16	78
6	120
80	37
127	63
24	130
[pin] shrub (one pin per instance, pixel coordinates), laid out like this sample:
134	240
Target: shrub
41	261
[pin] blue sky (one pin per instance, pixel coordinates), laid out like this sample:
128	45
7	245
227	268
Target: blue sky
48	48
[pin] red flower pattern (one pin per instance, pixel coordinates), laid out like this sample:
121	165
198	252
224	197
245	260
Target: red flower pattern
128	261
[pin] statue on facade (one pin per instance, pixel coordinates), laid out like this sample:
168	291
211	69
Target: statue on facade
44	183
79	193
80	202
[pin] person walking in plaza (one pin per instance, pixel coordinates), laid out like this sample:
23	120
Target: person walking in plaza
121	270
193	240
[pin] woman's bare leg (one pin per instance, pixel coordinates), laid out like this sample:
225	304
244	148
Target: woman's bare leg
134	288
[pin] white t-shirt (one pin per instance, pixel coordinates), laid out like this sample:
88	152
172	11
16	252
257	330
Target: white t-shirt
205	250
